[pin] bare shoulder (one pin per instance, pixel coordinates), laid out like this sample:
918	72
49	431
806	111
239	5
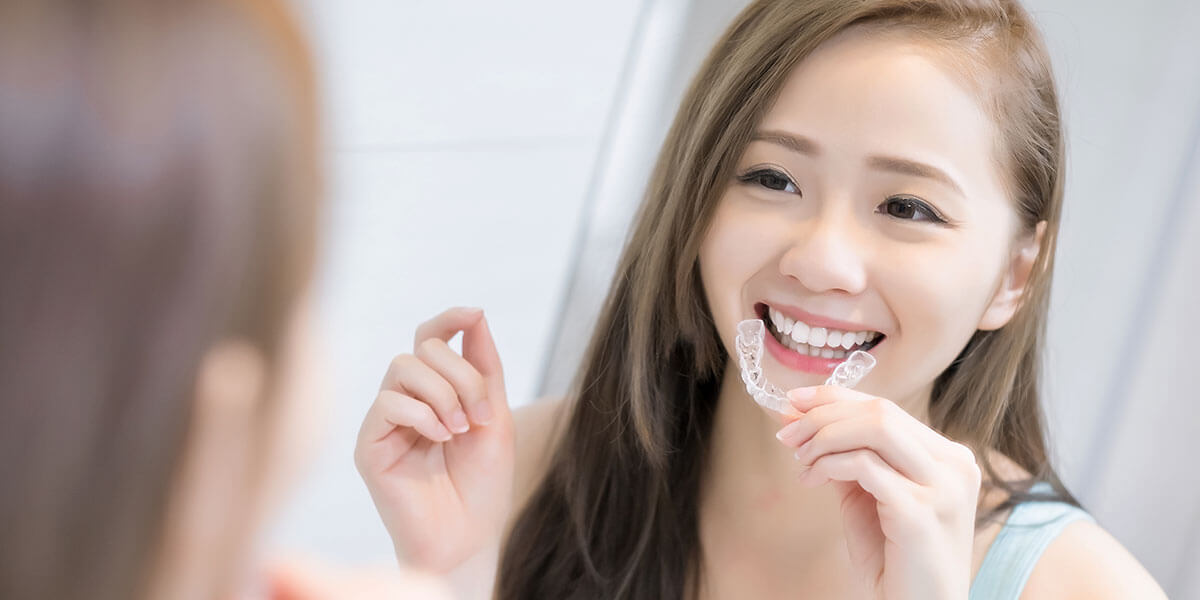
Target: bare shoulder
537	426
1085	561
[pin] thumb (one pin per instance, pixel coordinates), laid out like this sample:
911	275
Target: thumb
480	350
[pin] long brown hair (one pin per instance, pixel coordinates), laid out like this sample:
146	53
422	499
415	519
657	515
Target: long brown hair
158	193
616	513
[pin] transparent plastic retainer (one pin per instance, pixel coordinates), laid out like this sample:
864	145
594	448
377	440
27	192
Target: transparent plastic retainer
750	348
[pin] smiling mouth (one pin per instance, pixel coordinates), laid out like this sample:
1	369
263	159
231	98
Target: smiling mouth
806	340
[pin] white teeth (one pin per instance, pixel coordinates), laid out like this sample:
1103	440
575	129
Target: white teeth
834	339
826	353
813	341
782	323
816	336
800	332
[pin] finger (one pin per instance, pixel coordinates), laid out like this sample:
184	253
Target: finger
868	470
805	399
479	348
467	382
808	424
447	324
419	380
392	410
828	403
893	444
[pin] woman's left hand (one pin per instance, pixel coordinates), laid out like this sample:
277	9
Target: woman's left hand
908	494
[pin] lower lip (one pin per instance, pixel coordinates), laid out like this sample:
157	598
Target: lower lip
800	362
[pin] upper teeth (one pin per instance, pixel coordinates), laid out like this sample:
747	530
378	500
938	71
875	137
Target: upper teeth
803	333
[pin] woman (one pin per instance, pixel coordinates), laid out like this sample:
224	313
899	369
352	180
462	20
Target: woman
159	184
881	175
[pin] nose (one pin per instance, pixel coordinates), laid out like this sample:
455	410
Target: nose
826	256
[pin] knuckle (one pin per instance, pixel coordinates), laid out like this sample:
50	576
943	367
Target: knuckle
861	459
967	462
966	454
381	401
818	439
925	496
822	415
446	389
976	474
441	396
882	419
423	411
401	361
428	346
360	460
421	333
889	432
880	407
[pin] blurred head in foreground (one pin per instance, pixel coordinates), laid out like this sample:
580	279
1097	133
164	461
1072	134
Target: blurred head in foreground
159	187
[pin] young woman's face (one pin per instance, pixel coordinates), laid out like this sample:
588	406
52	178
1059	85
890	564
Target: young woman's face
870	206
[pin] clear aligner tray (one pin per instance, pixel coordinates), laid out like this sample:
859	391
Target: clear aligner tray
750	348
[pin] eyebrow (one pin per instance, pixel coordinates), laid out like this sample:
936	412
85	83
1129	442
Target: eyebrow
894	164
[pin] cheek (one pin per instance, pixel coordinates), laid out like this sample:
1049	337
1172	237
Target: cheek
938	293
736	247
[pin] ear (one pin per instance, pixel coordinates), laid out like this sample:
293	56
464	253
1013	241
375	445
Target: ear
1007	299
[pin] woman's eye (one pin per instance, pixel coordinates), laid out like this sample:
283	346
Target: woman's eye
770	179
909	209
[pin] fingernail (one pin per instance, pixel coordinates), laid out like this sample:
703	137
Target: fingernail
444	434
458	421
800	451
788	432
483	413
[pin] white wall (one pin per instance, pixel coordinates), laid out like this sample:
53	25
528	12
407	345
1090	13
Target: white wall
1122	396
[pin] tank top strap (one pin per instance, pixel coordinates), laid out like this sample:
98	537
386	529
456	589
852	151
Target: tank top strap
1030	528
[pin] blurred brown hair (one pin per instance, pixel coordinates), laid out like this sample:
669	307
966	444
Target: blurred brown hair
159	187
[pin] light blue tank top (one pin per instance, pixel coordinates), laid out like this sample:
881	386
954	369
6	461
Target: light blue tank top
1030	528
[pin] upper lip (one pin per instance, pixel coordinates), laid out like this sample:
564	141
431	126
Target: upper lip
814	320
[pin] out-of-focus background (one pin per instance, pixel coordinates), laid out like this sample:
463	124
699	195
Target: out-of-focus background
491	154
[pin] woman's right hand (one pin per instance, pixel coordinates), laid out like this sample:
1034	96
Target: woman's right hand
436	447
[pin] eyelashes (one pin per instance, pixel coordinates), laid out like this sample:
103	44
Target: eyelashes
903	207
910	208
771	180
